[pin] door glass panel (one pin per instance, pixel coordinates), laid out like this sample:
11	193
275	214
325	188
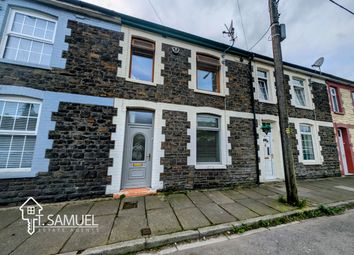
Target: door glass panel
138	151
140	117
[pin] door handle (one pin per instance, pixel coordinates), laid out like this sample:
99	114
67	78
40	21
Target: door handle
149	156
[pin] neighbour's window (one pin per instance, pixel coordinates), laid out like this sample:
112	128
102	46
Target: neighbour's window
307	142
208	136
208	73
29	38
263	85
299	89
18	130
334	99
142	60
353	97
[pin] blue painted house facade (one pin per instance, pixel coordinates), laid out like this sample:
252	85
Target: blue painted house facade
93	102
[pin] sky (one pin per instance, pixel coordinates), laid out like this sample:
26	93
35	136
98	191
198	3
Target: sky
315	28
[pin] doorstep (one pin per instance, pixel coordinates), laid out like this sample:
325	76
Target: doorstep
134	192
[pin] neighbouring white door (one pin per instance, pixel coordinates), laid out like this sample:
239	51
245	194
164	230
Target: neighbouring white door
342	151
268	159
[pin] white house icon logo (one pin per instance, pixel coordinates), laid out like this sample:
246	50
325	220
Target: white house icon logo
31	212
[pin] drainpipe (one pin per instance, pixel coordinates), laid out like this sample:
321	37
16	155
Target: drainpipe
254	116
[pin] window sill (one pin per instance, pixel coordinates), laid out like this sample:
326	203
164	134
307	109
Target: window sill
15	170
304	107
150	83
338	113
267	101
216	166
209	93
311	162
12	62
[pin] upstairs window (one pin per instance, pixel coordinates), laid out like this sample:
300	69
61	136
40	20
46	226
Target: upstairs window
299	89
29	38
142	60
208	73
334	99
18	130
308	152
208	136
353	97
262	77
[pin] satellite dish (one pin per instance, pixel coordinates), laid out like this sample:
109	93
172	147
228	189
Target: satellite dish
318	63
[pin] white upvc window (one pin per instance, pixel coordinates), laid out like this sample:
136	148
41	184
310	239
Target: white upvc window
307	143
208	139
263	92
18	131
300	92
28	38
334	99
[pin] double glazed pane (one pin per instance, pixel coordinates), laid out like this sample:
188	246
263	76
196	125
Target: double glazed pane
136	117
307	142
17	116
335	103
299	92
138	150
207	80
16	151
141	67
208	139
30	40
263	89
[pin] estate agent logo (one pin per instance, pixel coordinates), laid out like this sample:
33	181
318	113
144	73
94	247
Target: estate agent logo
31	212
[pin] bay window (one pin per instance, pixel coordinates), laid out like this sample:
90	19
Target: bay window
18	130
308	152
208	139
142	60
208	78
29	38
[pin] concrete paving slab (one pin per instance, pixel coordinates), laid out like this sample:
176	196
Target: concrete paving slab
216	214
156	202
191	218
239	211
199	198
162	221
258	207
9	216
140	209
251	193
127	227
265	192
234	195
87	238
273	203
76	208
179	201
218	197
105	207
12	236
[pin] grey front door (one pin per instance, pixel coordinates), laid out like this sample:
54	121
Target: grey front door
138	150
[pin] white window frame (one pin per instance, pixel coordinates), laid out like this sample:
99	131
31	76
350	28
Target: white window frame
272	97
333	94
8	32
19	132
218	129
266	80
309	105
315	141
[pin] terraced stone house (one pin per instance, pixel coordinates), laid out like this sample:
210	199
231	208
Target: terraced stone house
93	102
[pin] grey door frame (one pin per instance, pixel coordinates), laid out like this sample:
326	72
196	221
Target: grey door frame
128	149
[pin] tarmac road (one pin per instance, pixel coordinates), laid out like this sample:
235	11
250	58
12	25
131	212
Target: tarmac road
327	235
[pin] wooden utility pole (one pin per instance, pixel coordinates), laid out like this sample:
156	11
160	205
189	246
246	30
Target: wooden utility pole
285	132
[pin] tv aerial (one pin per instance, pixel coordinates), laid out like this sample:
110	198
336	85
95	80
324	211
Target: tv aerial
318	63
230	32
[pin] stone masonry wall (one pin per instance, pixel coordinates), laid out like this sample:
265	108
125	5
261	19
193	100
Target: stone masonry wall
330	166
79	159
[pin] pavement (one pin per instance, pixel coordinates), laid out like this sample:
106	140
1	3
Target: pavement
326	236
140	220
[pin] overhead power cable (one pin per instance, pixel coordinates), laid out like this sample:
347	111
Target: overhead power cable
156	14
254	45
341	6
243	28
